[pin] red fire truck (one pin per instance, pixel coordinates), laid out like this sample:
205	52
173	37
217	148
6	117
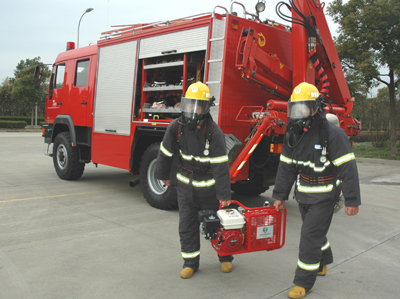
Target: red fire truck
110	103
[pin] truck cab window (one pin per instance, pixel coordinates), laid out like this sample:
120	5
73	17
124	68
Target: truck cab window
58	75
82	72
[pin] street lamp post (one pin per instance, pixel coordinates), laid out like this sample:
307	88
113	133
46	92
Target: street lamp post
79	24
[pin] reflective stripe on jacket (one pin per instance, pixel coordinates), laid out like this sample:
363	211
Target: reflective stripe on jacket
191	153
305	159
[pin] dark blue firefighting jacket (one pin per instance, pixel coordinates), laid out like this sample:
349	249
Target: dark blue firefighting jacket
318	181
204	174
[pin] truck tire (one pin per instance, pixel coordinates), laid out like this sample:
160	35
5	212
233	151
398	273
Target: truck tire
155	192
66	158
251	187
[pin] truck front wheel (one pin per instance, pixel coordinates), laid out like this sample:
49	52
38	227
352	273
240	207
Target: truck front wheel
66	158
156	193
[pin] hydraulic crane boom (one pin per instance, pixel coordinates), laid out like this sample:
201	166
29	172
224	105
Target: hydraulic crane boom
314	60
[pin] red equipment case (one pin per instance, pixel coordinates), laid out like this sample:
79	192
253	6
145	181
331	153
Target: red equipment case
264	230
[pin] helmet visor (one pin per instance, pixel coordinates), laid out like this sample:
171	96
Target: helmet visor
301	109
194	109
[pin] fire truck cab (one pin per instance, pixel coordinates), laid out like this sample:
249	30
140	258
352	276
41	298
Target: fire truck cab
110	103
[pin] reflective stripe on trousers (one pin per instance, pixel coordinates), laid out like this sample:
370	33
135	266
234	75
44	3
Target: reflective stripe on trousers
314	249
312	267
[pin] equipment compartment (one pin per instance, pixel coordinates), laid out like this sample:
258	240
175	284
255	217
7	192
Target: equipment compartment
164	79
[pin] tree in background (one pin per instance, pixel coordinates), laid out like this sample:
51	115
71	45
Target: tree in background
379	112
369	41
361	109
24	96
7	107
360	92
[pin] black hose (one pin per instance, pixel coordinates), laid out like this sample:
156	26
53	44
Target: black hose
134	183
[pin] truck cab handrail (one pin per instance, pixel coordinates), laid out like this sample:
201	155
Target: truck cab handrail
219	6
245	13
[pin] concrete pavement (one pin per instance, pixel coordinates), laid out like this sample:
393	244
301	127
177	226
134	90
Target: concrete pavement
98	238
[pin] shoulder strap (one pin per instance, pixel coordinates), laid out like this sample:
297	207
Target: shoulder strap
208	129
325	133
324	136
179	121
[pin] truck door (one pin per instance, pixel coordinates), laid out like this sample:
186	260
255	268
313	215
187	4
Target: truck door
57	103
112	115
79	95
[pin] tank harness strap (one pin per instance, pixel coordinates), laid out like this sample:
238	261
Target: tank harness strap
179	131
316	180
195	169
199	168
324	136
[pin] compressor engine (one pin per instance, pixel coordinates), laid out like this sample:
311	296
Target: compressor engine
233	231
224	228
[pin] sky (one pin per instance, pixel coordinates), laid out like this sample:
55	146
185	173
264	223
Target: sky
43	27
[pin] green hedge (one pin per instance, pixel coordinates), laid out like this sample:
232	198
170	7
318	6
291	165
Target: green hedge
12	124
367	136
26	119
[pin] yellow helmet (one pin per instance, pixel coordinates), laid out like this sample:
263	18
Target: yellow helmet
198	91
196	102
303	101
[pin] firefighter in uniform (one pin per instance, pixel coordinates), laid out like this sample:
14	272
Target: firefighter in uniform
318	158
202	179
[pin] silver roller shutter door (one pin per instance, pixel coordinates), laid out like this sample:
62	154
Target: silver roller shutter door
114	88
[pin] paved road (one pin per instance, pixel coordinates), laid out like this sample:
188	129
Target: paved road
98	238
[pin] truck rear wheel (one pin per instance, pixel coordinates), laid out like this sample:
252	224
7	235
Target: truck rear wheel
66	158
156	193
251	187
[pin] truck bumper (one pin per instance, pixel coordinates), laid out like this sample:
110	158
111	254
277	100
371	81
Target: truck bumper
47	133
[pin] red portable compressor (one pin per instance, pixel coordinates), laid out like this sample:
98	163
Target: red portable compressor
234	231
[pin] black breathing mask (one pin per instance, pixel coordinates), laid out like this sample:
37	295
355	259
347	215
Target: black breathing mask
192	123
296	130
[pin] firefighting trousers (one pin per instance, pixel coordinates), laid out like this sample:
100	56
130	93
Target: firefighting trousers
189	226
314	249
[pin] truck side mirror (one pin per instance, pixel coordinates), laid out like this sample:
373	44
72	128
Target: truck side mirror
37	75
36	78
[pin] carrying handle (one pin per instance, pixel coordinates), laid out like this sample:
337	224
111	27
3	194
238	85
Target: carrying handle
248	209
